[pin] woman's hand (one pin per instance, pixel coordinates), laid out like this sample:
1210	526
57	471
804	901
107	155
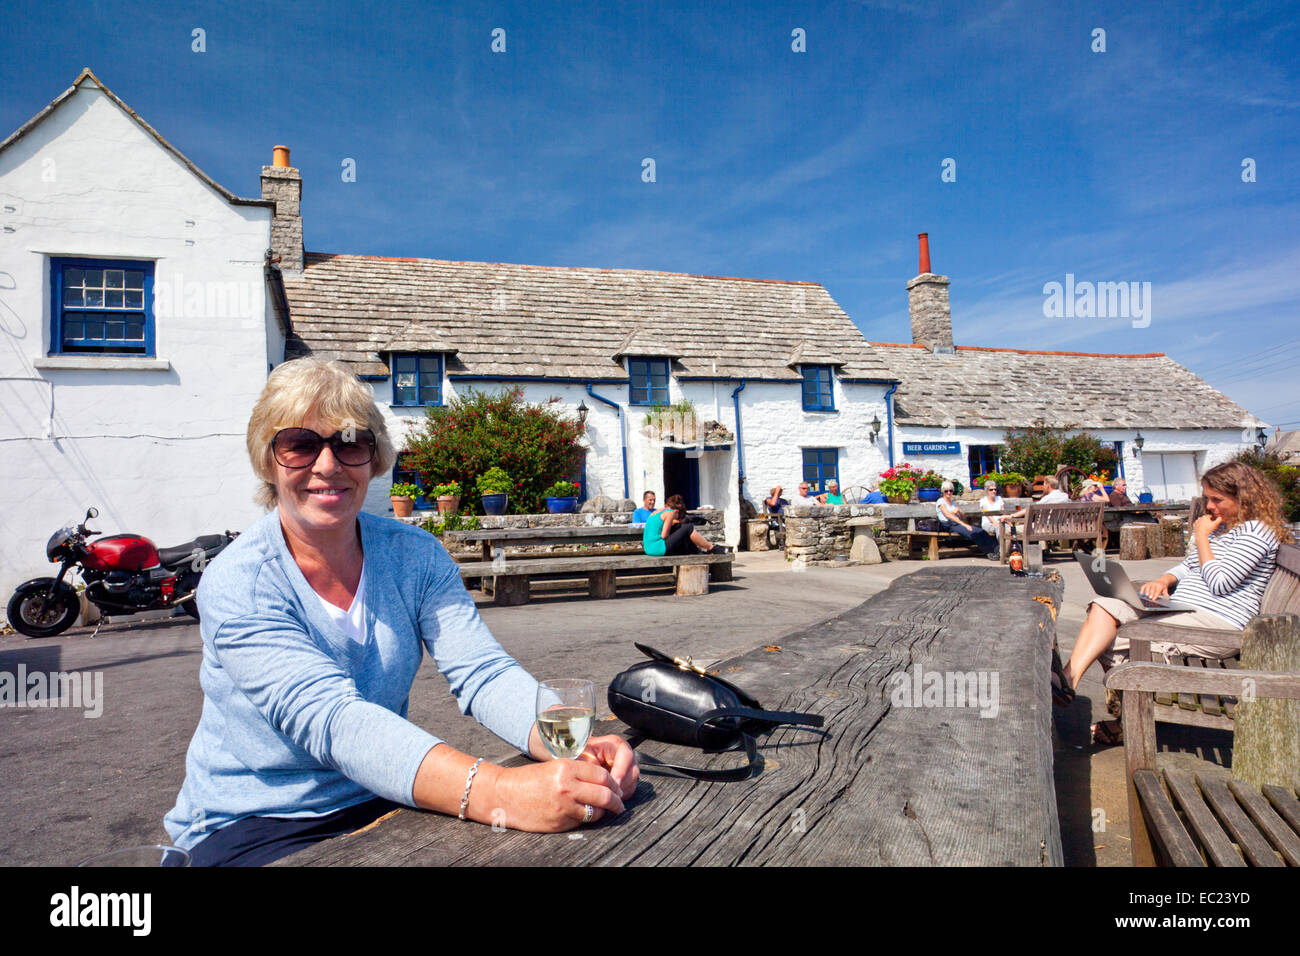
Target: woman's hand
1206	525
613	753
552	796
1156	589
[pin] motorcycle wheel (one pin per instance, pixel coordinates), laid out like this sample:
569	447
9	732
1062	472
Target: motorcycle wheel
24	611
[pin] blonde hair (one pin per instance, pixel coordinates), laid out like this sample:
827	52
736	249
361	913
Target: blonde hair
306	388
1257	497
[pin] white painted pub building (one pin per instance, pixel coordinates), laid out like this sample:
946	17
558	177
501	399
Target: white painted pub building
142	306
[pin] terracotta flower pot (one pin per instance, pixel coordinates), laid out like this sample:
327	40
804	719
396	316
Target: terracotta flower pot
899	499
1014	491
402	507
448	504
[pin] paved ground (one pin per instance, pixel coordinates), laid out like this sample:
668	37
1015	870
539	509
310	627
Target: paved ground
74	786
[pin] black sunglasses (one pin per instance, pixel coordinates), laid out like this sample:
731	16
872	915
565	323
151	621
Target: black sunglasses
300	447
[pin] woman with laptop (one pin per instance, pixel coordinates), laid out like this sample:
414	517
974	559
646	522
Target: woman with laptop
1234	552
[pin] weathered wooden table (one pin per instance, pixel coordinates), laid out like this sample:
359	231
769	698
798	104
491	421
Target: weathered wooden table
905	771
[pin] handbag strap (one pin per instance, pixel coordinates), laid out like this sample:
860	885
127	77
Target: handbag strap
734	773
772	717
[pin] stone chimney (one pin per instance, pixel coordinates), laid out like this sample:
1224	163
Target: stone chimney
927	301
283	184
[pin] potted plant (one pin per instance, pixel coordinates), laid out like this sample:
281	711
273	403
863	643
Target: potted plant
928	485
562	498
448	495
1013	483
403	496
898	490
493	487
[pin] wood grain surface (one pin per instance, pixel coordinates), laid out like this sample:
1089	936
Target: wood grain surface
881	784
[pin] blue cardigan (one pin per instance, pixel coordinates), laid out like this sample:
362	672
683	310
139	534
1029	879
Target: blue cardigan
300	720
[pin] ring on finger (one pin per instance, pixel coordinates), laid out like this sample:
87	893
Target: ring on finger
588	811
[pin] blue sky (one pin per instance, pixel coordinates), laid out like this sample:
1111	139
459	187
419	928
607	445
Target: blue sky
1115	166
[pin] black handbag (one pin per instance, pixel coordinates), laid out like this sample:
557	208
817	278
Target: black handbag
675	701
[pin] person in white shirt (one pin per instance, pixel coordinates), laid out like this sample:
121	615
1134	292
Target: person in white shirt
803	498
991	502
1054	494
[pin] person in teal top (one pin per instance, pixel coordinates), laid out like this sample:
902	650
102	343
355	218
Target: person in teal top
831	496
668	532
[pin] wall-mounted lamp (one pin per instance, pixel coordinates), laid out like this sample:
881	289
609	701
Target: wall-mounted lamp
875	428
1260	438
582	413
1139	441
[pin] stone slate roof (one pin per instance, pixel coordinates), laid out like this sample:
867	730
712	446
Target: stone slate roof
997	388
558	322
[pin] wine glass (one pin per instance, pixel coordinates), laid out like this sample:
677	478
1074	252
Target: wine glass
566	710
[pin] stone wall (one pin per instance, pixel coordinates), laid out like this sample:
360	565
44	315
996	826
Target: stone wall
821	533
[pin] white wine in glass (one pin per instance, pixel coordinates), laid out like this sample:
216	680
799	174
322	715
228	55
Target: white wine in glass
566	711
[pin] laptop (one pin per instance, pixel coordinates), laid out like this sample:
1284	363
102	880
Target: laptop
1109	580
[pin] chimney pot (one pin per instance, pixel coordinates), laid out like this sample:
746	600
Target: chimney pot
924	239
281	156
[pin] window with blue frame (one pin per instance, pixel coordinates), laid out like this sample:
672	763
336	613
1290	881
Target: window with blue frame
417	379
648	381
820	465
817	392
981	459
101	306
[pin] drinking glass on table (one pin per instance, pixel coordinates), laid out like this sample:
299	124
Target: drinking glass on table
566	711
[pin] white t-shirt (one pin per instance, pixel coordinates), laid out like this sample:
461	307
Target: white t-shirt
801	500
988	524
1054	496
351	622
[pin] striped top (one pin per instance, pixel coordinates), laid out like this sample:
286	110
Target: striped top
1232	585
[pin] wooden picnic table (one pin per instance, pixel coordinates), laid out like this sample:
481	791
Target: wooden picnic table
883	783
490	538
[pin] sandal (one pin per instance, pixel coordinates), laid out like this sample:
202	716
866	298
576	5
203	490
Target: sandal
1062	693
1108	733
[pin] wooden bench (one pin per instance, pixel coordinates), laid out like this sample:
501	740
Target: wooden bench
511	578
1281	596
1059	521
1217	821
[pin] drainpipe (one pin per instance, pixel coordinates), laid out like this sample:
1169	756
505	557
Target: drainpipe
622	432
740	446
889	417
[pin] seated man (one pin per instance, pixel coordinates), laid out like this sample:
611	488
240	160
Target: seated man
773	503
803	498
648	506
1119	497
873	497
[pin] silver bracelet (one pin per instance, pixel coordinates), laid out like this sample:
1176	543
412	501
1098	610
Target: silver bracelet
469	782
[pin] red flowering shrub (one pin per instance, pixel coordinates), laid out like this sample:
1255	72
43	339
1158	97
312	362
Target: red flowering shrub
536	445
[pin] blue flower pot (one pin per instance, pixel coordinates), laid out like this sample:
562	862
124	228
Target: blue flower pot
494	504
929	494
562	506
1109	488
1146	498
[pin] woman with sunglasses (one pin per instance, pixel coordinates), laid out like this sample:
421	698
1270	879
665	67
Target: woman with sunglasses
315	622
950	519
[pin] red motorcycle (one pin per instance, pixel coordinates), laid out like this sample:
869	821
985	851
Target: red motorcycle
124	574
